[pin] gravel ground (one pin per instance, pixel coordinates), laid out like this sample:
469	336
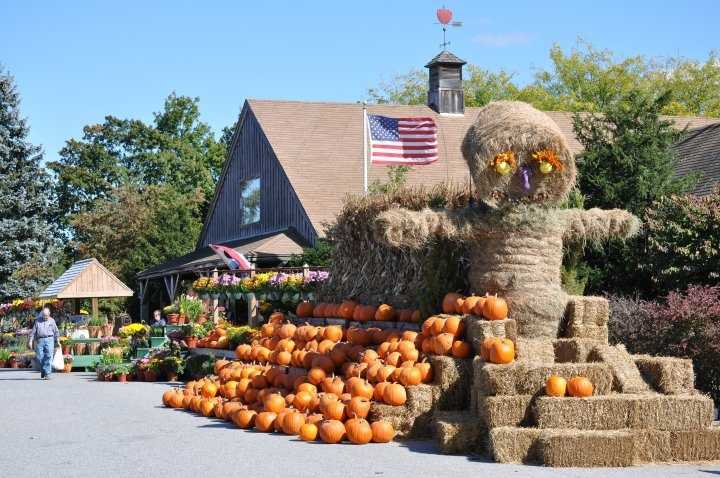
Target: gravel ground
72	426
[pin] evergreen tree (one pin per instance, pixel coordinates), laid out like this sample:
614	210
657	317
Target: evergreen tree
28	240
627	163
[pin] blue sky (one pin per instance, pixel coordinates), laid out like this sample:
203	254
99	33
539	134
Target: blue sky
77	61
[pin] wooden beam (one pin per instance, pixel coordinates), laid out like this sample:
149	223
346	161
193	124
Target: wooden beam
95	307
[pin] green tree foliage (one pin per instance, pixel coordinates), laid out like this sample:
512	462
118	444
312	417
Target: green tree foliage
177	149
316	256
28	241
583	79
132	228
627	163
683	241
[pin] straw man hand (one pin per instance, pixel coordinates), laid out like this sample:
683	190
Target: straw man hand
598	225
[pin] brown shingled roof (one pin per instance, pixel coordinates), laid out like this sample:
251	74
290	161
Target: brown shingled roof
700	151
320	147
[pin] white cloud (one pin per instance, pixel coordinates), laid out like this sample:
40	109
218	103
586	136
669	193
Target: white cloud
503	39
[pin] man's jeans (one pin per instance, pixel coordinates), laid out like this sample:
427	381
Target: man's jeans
44	350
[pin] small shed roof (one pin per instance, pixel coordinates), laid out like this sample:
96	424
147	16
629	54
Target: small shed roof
87	279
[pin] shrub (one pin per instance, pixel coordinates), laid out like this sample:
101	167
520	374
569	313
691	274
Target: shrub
685	324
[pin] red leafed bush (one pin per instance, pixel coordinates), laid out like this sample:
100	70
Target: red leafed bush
685	324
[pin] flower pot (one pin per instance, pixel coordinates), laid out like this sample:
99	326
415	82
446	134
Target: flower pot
67	367
95	331
12	363
173	318
79	349
191	342
93	348
122	378
150	375
182	319
108	329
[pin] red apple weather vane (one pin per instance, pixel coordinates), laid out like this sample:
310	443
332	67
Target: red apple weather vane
444	16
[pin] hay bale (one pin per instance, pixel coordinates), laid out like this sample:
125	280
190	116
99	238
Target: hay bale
412	420
618	411
668	375
696	445
459	432
594	332
573	350
528	379
587	310
505	410
627	378
652	446
582	448
452	376
514	444
477	330
539	351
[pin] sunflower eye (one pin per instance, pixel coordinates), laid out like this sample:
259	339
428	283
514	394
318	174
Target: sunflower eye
547	161
504	163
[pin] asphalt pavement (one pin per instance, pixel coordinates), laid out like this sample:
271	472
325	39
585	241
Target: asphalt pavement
73	426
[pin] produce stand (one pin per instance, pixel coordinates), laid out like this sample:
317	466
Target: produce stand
84	361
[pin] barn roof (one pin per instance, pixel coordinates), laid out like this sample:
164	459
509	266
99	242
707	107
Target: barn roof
320	147
87	279
700	151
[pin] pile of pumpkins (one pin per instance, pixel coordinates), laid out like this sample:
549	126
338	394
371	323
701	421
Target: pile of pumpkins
352	310
216	339
491	307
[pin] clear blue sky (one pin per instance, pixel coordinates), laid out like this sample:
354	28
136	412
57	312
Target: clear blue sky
77	61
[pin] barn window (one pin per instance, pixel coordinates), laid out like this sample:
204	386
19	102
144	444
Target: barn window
250	191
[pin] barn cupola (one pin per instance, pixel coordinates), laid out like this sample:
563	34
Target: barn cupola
445	93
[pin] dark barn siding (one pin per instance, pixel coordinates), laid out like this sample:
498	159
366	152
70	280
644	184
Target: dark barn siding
280	208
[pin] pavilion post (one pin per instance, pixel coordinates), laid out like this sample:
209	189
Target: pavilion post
215	301
95	307
252	303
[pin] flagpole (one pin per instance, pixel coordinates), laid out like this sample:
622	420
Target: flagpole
365	158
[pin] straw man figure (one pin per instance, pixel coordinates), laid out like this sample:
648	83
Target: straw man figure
521	170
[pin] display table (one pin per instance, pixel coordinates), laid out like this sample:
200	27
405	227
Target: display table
218	353
84	361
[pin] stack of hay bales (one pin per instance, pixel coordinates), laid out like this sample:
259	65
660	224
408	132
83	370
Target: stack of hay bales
644	409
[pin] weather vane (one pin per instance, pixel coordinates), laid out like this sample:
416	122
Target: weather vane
444	16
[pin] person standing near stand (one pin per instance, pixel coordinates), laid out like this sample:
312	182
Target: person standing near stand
44	338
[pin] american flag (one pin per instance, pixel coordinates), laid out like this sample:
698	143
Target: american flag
408	141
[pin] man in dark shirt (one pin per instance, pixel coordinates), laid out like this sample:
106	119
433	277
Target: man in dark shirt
43	336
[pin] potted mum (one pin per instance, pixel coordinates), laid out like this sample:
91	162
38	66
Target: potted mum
172	313
172	367
121	372
4	357
67	362
95	326
152	372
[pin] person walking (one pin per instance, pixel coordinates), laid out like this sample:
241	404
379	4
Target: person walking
44	338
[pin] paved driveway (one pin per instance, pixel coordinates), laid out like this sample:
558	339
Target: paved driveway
73	426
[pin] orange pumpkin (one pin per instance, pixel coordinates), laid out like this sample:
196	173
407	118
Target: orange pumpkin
410	376
385	313
455	326
333	332
334	411
469	304
487	346
292	423
461	349
579	387
556	386
502	352
319	310
495	308
265	421
304	309
450	303
425	369
308	432
209	390
347	309
274	403
358	431
394	394
244	418
382	432
443	344
332	431
358	407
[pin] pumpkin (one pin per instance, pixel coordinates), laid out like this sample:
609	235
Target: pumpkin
314	419
385	313
405	315
293	422
316	375
437	326
338	356
287	331
579	387
331	431
461	349
176	400
302	400
166	397
450	303
379	390
347	309
278	425
358	431
364	313
276	318
469	304
304	309
495	308
362	388
443	344
244	418
415	317
209	390
455	326
265	421
333	385
306	387
333	332
556	386
319	310
358	407
274	403
308	432
410	376
393	358
207	407
425	369
283	358
486	346
358	336
334	411
382	431
394	394
502	352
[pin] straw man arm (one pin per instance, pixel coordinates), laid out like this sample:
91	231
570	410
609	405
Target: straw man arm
400	227
597	225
